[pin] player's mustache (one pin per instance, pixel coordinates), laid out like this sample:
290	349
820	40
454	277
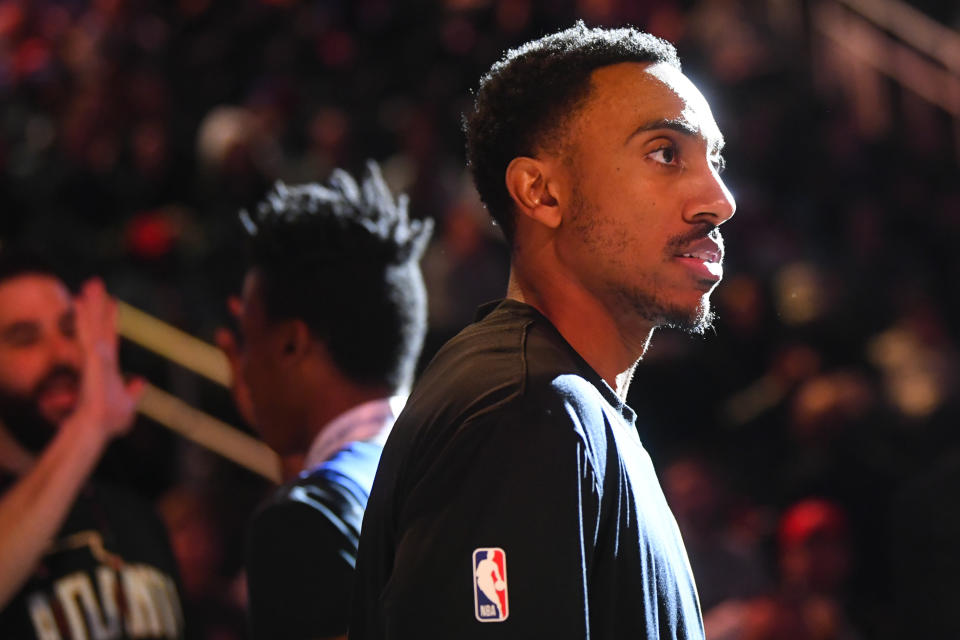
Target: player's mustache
58	374
700	232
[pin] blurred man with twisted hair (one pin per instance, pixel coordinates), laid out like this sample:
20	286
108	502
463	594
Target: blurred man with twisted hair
599	160
332	321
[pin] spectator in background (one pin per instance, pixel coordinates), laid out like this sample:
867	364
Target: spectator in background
78	559
814	555
726	567
214	604
332	320
924	528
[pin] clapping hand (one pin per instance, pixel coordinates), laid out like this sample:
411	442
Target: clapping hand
107	401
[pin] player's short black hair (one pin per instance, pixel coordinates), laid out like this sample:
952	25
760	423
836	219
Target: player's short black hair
344	258
16	262
528	94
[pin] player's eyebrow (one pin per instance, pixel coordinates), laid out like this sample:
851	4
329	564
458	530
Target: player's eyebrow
680	126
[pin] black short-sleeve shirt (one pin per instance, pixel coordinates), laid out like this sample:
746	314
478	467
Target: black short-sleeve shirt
302	548
514	499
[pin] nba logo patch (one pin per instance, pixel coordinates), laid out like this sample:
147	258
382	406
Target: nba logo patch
490	584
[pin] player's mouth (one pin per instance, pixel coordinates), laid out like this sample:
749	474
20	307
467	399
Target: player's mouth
703	257
60	393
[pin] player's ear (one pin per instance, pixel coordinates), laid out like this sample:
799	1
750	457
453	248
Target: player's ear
294	339
534	193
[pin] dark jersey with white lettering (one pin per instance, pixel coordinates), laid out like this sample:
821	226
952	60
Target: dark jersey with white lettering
109	574
514	499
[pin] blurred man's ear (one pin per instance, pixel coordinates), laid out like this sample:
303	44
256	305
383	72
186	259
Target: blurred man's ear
533	191
295	339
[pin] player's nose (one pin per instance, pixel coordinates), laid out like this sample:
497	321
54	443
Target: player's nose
713	202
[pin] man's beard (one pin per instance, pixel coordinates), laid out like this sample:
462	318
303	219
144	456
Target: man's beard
644	301
21	414
693	321
695	324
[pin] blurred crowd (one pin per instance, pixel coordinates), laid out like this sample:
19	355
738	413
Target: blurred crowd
806	445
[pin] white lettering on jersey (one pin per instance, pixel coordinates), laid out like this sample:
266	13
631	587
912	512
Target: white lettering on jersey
152	606
142	616
69	590
44	623
158	588
107	584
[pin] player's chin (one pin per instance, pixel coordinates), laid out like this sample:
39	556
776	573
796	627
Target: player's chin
707	285
692	301
695	318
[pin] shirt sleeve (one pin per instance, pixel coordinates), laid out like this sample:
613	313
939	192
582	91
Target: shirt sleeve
520	482
299	573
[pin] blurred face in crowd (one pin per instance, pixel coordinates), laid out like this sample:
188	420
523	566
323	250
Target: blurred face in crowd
818	563
694	495
645	196
40	357
268	370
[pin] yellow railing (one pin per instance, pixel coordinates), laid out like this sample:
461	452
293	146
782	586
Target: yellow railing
175	414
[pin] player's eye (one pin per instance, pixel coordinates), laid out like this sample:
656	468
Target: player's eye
666	154
719	163
22	334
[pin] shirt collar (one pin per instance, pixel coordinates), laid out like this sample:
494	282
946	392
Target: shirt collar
369	421
508	304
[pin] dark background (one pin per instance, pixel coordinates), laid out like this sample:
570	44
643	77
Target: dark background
131	133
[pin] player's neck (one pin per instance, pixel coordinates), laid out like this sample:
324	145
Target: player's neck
329	394
611	345
332	398
291	465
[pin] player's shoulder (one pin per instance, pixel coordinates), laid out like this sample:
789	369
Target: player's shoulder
476	371
511	352
315	491
350	471
508	378
311	507
485	354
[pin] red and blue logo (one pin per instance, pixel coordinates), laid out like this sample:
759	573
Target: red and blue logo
490	584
